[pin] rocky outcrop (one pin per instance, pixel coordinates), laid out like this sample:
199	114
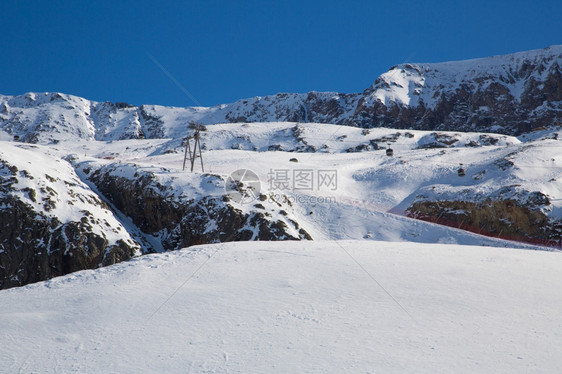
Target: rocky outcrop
509	214
36	245
183	220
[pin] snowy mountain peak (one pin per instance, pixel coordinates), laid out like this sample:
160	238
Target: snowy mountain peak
413	84
510	94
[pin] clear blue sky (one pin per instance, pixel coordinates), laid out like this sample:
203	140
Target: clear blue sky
221	51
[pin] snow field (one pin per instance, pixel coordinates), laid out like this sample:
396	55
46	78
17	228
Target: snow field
294	307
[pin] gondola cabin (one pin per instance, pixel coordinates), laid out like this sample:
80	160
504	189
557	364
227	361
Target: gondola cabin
389	151
461	172
16	138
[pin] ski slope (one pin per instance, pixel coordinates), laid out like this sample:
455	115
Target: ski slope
294	307
369	184
374	292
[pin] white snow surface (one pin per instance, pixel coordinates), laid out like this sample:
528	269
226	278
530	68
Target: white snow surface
294	307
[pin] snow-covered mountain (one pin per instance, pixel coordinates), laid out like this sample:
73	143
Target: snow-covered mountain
68	204
103	183
510	94
383	256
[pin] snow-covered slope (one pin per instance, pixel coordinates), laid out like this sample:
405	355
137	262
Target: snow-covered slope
47	117
306	307
51	222
369	183
509	94
512	188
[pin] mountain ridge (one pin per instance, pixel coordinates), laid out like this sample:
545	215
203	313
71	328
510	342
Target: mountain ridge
509	94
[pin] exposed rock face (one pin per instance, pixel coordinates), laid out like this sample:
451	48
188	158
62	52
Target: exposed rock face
509	94
513	217
182	221
36	245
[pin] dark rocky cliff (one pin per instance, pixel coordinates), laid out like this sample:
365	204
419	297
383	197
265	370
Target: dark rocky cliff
183	220
36	245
